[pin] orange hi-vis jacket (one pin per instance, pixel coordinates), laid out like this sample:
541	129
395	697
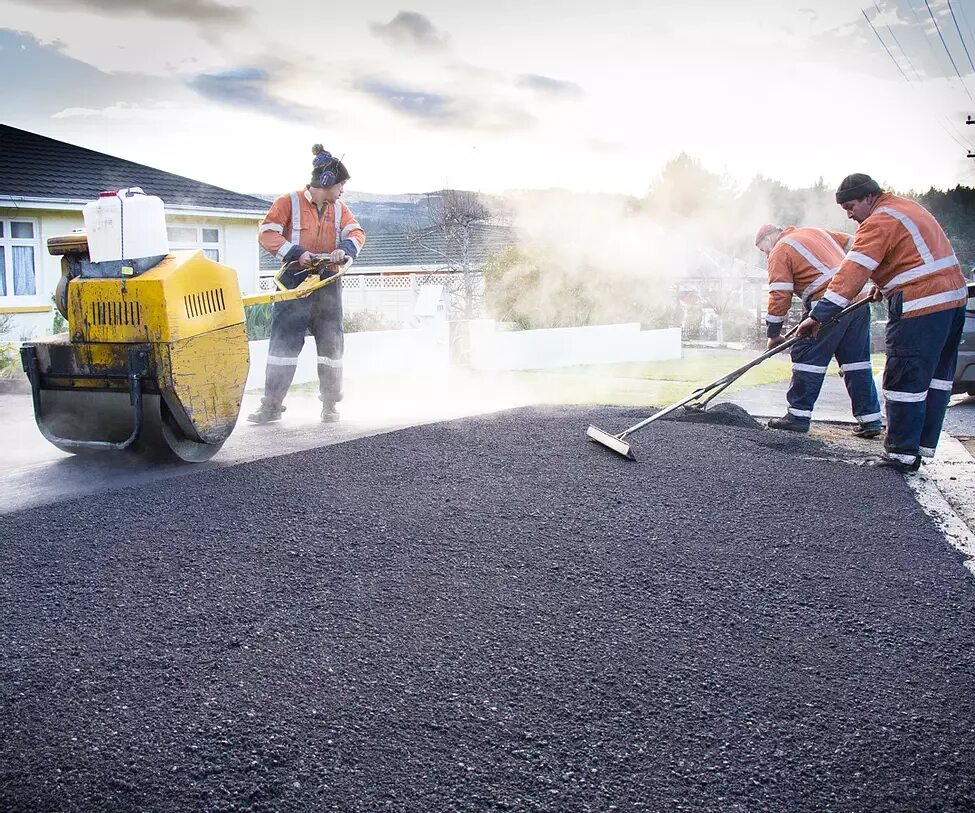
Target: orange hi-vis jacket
293	225
802	263
901	248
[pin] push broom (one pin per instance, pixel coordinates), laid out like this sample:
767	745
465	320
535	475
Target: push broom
694	401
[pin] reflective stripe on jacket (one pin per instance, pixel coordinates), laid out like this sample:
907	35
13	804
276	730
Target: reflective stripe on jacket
900	247
802	263
293	225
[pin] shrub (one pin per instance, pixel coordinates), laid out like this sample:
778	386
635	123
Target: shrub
662	316
59	324
9	358
361	321
258	320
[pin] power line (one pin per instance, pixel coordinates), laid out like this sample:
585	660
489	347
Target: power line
924	33
960	37
899	46
961	11
950	58
892	57
953	136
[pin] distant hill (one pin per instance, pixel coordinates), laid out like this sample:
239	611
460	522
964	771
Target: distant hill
388	214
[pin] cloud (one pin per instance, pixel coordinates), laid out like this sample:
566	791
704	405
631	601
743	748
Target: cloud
120	112
547	86
891	44
606	146
250	88
412	30
443	110
46	77
195	11
417	104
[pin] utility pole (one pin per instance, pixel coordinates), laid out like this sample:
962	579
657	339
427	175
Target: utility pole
970	120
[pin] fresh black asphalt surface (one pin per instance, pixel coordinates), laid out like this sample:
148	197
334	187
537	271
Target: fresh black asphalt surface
492	614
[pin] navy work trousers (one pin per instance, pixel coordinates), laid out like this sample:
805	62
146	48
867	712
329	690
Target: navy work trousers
922	352
321	314
849	342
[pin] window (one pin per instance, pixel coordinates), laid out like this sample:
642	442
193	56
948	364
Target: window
193	237
19	250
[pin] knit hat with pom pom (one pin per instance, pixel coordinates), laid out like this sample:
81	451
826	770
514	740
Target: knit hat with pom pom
326	169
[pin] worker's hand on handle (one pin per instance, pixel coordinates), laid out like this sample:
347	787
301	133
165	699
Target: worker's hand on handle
337	256
307	260
875	294
808	328
774	341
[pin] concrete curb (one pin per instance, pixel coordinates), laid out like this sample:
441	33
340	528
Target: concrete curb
14	386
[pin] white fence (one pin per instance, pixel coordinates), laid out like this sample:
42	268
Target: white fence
392	296
428	349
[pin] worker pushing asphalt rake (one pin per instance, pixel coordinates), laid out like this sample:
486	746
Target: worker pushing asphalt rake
618	444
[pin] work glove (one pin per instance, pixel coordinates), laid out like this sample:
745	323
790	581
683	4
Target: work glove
808	328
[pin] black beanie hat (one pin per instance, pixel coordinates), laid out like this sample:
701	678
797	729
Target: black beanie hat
856	186
326	169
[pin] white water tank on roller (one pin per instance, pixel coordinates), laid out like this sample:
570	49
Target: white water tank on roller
125	225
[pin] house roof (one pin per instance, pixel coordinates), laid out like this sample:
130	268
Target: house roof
385	249
37	167
432	250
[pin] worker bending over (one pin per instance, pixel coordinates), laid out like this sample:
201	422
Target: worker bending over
304	226
905	252
801	262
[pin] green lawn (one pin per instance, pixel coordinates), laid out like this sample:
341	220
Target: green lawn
631	384
659	382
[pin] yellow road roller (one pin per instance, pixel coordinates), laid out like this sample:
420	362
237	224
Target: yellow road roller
155	359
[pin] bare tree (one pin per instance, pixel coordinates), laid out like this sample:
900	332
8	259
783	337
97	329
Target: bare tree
722	287
447	230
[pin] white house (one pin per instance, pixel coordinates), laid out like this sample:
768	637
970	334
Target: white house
44	184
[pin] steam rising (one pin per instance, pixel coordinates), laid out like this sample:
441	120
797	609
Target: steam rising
603	259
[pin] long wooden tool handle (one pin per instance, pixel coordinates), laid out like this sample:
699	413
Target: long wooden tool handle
301	291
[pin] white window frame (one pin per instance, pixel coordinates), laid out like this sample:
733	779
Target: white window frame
7	267
198	242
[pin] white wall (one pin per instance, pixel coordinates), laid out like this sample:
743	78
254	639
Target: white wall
426	349
493	349
369	353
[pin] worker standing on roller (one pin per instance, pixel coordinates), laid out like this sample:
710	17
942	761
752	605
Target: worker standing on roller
801	262
905	252
304	227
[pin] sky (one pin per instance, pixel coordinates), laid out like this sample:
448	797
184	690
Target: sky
500	96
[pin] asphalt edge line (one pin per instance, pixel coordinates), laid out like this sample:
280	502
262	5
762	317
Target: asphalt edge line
936	505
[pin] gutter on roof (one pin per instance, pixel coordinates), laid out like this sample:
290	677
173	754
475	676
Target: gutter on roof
76	205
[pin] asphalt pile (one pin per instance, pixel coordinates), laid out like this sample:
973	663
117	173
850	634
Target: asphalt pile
492	614
723	414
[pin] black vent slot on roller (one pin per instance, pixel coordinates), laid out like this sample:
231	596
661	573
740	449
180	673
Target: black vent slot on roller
115	314
200	304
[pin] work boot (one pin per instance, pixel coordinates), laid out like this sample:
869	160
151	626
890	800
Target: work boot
870	429
790	423
887	461
329	413
267	413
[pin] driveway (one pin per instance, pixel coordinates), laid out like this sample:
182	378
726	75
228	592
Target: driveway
492	614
